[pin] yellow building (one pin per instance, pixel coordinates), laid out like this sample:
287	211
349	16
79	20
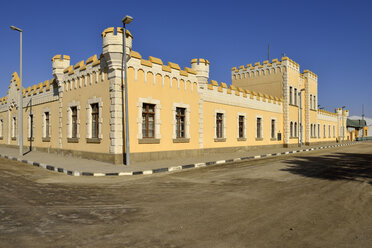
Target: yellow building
173	112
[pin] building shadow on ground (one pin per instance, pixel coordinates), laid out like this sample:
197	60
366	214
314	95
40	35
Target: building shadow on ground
337	166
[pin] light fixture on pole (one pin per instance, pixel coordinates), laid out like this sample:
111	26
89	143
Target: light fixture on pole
126	20
300	117
20	107
343	126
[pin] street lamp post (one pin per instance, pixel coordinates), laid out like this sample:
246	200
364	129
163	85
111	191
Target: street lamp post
300	118
126	20
343	127
20	109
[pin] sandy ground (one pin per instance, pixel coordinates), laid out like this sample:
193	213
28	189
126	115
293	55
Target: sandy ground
318	199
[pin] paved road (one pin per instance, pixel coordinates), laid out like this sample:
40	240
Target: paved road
318	199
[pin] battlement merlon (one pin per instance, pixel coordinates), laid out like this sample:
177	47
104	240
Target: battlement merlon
112	44
201	67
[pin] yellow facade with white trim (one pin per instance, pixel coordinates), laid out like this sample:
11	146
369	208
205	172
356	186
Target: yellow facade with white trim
261	94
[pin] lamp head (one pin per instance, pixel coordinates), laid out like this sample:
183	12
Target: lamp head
127	19
16	29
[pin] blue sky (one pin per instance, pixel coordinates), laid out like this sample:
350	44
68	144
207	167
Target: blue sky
331	38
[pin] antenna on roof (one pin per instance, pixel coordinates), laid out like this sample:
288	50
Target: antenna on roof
268	51
362	111
283	54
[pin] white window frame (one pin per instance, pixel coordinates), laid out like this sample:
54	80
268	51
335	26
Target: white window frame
223	112
14	126
69	119
29	128
244	127
46	110
275	124
88	107
157	104
261	127
174	121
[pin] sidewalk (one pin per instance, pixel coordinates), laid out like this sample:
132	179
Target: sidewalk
85	167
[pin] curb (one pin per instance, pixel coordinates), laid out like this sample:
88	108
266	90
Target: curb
165	169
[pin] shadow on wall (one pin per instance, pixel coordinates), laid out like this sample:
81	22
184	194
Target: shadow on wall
338	166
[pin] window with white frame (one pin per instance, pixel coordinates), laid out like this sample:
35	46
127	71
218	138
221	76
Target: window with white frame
241	126
329	131
324	131
30	126
94	120
46	124
219	125
259	131
148	120
14	127
273	128
181	122
73	121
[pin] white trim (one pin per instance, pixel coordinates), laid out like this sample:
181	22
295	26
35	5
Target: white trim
187	119
88	107
261	127
69	119
140	103
220	111
275	128
245	124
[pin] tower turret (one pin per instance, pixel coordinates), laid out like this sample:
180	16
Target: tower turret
59	63
202	69
113	46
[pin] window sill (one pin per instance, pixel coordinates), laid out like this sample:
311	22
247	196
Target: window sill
14	138
219	139
259	139
241	139
72	140
293	105
30	139
181	140
1	138
293	138
273	139
93	140
313	110
148	141
45	139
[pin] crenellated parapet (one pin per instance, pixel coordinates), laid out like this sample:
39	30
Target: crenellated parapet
258	69
156	67
221	93
310	74
83	74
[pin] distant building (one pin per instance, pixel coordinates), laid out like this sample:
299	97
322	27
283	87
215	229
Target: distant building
173	112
